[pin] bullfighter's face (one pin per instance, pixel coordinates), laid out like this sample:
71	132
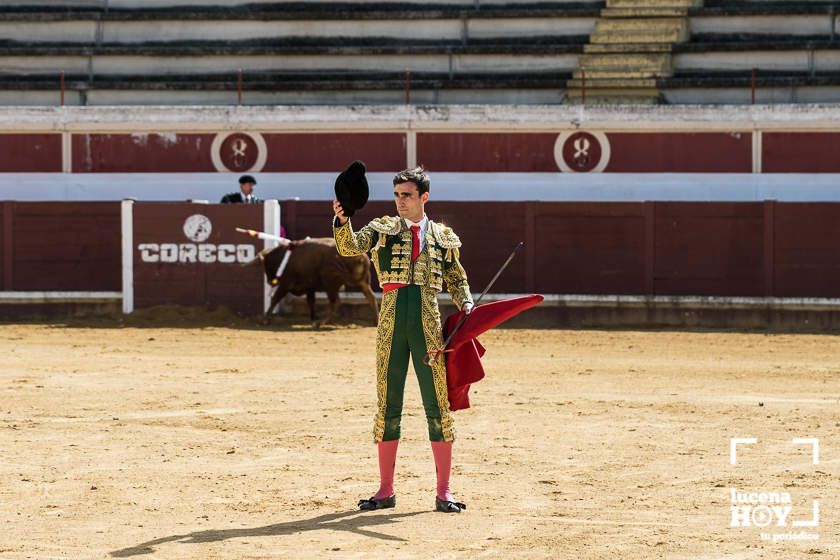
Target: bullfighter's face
409	202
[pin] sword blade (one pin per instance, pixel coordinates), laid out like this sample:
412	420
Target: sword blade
463	319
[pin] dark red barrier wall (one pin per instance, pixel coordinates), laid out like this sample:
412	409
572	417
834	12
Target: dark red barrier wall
111	153
189	282
800	152
580	248
333	151
30	152
6	213
181	152
663	248
482	151
806	257
630	152
68	246
585	248
709	249
679	248
682	151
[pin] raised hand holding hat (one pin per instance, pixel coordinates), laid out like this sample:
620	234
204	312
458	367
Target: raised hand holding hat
351	188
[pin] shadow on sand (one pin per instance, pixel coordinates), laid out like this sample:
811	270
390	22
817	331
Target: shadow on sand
351	521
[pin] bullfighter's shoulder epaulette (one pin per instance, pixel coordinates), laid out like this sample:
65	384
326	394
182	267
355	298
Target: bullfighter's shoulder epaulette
389	225
445	236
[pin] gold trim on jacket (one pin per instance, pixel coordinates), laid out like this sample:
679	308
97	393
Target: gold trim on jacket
389	241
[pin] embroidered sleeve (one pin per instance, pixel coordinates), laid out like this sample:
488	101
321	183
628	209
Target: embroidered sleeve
456	280
350	243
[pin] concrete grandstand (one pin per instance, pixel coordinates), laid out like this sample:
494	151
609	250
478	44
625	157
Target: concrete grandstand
445	51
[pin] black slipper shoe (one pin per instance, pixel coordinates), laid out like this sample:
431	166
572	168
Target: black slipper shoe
372	503
449	507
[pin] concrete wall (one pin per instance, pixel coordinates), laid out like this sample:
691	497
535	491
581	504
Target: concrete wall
736	153
616	187
764	95
782	25
793	60
124	4
89	29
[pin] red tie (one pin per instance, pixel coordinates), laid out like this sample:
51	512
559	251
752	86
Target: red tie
415	242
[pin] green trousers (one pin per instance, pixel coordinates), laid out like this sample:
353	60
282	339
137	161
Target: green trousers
409	324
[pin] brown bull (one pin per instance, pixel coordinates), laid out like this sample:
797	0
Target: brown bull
315	265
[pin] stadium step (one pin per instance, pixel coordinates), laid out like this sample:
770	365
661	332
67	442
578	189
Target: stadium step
640	36
643	12
654	3
624	66
594	48
617	84
629	49
618	73
634	25
638	61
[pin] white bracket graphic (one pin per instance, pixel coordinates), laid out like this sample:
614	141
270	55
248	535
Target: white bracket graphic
815	448
815	516
733	447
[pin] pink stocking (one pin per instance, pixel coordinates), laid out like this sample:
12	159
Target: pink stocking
387	462
442	450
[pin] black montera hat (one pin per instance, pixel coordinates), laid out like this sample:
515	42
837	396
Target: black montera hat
351	188
247	179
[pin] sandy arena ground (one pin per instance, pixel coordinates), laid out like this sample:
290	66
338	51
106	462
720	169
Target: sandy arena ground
242	442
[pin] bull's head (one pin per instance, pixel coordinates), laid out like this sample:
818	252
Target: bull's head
258	259
271	259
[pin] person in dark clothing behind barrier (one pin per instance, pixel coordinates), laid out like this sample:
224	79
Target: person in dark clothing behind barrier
246	192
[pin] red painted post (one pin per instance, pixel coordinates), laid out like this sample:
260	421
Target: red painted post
239	87
407	87
288	217
649	212
769	248
583	86
7	240
61	80
531	246
753	85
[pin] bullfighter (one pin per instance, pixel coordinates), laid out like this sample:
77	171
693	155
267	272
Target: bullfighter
414	258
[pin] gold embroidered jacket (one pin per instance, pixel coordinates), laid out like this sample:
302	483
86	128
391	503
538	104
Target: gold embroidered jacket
389	241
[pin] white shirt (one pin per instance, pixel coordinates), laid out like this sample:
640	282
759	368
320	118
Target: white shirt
424	223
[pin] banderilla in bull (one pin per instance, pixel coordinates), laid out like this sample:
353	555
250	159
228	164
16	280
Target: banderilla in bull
262	235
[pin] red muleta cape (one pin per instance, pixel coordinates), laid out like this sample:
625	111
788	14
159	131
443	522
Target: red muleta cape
463	355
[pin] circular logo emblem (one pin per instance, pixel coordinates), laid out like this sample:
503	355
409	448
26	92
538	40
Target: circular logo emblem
761	516
238	152
198	228
581	152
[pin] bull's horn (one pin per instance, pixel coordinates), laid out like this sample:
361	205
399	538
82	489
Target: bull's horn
252	262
